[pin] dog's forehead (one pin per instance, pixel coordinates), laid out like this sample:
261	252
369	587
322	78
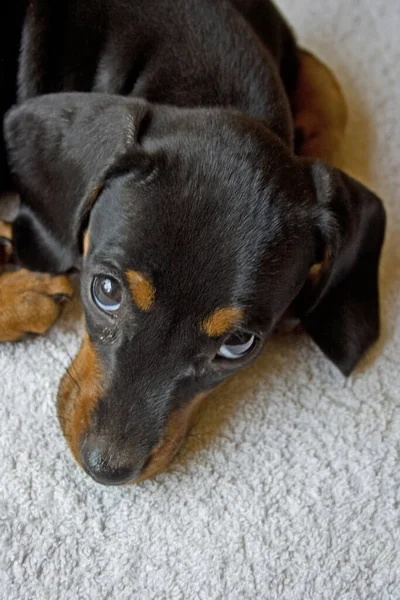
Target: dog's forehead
197	226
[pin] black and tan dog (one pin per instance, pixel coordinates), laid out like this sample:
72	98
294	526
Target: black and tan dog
153	148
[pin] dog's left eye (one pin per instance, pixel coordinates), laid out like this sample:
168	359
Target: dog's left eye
106	292
237	345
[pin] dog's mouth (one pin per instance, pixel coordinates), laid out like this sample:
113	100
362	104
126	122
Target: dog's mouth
78	395
174	434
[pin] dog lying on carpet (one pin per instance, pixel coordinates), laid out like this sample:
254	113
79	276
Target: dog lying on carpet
170	150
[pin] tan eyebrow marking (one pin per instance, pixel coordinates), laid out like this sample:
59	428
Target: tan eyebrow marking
221	320
142	290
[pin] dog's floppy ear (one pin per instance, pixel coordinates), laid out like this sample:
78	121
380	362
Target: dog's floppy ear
339	305
62	148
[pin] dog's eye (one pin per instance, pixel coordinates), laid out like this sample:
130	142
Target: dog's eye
106	293
237	345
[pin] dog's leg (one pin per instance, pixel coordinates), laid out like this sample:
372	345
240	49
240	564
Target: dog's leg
319	110
29	302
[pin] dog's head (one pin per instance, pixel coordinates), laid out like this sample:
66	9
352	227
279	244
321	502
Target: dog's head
199	229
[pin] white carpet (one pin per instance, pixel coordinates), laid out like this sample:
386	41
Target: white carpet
289	487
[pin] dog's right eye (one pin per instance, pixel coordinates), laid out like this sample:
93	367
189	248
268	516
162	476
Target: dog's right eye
106	293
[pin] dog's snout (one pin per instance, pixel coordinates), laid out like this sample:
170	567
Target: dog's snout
99	464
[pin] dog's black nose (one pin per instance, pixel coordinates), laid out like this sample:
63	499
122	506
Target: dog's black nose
101	468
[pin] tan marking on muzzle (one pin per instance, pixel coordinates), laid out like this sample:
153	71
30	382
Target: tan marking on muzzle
222	320
142	290
78	395
175	431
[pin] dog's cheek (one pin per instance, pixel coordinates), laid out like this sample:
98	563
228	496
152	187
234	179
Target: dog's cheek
175	431
78	395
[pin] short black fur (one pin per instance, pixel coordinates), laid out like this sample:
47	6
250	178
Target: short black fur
167	132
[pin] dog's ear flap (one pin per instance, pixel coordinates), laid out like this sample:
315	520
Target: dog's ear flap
339	305
62	149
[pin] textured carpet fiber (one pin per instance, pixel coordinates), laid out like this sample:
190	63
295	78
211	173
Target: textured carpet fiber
289	487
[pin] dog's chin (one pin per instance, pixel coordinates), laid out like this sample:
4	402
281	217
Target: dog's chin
78	394
174	434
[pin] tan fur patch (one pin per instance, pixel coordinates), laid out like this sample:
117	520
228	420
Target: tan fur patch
29	303
94	194
6	248
78	394
85	242
5	230
222	320
317	270
142	290
174	433
319	109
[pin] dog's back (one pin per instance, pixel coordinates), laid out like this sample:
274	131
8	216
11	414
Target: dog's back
181	52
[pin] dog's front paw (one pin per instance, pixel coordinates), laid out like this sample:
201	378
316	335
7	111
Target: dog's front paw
30	302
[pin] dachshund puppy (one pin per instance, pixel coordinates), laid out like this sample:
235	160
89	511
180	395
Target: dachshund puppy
155	148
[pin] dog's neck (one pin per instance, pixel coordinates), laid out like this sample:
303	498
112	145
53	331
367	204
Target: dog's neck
198	61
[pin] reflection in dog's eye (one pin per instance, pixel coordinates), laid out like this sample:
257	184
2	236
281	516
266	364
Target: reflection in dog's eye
237	345
106	293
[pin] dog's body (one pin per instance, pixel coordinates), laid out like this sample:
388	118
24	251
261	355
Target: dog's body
202	227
